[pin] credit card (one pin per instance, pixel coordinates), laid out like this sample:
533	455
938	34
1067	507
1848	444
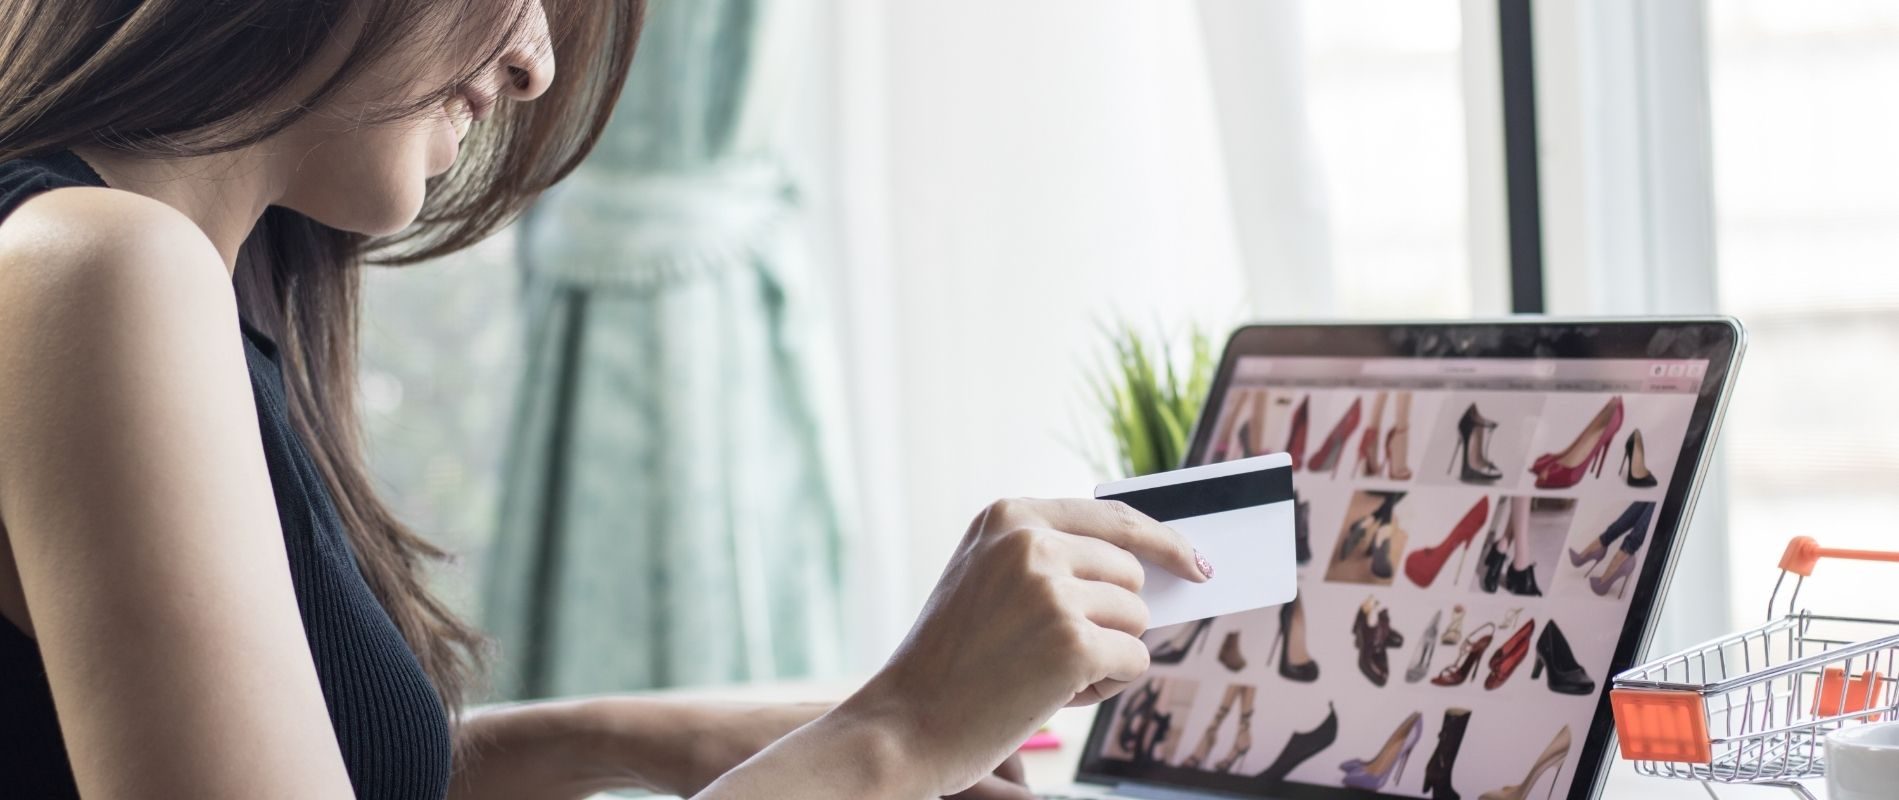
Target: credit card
1236	513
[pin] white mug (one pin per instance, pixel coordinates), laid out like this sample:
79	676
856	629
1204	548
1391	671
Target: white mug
1862	762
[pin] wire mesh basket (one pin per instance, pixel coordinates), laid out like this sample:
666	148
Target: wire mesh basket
1755	707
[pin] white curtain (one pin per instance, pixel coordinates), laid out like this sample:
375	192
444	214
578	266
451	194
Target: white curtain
996	179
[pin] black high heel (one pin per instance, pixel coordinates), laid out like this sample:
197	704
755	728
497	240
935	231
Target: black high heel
1369	524
1567	676
1473	446
1301	748
1493	559
1634	461
1144	728
1169	652
1450	739
1301	529
1239	751
1381	560
1373	639
1521	582
1297	673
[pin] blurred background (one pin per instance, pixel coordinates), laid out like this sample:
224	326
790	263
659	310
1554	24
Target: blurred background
718	410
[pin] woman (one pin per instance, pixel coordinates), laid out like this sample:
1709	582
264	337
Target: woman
202	595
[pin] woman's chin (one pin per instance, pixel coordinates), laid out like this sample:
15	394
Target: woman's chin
398	209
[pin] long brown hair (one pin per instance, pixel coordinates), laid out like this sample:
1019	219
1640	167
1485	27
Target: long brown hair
168	78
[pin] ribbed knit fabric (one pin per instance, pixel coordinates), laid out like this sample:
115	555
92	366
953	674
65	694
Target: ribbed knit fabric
388	720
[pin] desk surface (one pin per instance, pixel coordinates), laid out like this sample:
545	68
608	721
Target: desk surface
1050	768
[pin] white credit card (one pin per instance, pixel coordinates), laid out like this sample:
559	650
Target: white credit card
1236	513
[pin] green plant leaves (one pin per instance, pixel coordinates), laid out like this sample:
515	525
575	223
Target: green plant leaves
1150	397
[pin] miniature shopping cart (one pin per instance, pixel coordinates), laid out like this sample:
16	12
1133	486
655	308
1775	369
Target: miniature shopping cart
1756	707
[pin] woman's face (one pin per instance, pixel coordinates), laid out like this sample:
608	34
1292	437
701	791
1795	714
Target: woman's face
370	177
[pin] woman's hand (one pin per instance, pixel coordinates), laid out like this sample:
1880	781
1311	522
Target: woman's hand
1036	610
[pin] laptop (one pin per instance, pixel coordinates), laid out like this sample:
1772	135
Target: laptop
1487	517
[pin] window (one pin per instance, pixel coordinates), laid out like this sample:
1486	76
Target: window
440	358
1805	117
1385	89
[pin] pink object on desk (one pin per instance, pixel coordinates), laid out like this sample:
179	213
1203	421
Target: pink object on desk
1043	740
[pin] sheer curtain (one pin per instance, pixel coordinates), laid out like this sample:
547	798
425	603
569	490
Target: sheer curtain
673	510
991	180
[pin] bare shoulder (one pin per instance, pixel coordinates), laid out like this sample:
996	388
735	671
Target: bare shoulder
71	255
98	287
140	514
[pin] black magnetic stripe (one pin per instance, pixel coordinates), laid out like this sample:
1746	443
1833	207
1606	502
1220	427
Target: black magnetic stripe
1211	496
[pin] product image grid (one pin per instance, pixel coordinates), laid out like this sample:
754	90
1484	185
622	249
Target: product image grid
1464	561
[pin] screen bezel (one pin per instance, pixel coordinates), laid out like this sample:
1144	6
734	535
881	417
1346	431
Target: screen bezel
1719	340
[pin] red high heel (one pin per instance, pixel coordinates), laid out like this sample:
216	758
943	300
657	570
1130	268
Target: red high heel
1424	565
1473	648
1566	469
1296	441
1505	661
1368	454
1327	459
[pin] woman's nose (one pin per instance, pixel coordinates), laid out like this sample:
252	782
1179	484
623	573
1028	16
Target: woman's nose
527	66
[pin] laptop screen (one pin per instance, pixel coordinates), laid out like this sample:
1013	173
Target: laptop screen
1472	532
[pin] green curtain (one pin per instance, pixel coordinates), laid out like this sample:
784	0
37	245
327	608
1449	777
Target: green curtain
669	513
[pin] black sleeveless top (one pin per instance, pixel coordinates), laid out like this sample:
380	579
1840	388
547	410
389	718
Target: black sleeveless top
388	720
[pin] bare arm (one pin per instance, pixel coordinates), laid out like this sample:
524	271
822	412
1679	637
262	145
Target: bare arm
563	749
138	507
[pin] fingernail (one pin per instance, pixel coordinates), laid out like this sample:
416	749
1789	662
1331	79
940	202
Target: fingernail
1206	567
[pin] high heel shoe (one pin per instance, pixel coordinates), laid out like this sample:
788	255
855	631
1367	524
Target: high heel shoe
1634	519
1450	739
1246	441
1381	559
1366	525
1456	629
1175	650
1296	439
1567	676
1552	758
1493	559
1522	582
1327	459
1427	647
1423	565
1396	467
1461	670
1373	639
1242	742
1298	673
1589	451
1367	464
1143	727
1230	655
1301	529
1635	462
1505	661
1617	576
1588	556
1388	765
1205	748
1300	748
1472	448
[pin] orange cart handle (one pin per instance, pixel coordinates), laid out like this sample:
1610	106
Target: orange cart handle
1803	552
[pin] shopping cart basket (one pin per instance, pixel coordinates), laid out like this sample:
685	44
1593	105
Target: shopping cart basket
1756	707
